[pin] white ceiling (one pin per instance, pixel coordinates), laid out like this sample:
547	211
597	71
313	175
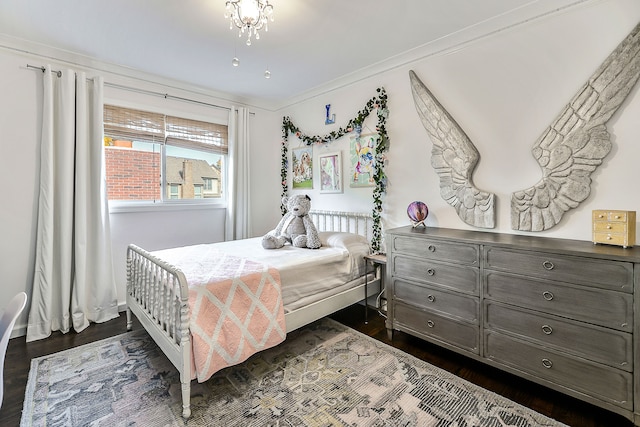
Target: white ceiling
311	44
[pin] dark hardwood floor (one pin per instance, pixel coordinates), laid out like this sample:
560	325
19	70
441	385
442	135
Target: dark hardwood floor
565	409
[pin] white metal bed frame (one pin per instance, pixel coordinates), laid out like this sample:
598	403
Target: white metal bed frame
158	295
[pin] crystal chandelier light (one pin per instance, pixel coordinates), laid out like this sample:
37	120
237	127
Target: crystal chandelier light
250	16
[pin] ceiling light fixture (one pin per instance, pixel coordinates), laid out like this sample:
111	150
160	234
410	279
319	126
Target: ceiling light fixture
249	15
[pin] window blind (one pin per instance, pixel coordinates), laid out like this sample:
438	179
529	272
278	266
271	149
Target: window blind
195	133
133	125
137	125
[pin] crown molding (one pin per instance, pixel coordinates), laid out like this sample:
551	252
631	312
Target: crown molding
533	11
119	74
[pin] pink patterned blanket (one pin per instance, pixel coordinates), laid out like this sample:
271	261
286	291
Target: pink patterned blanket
236	306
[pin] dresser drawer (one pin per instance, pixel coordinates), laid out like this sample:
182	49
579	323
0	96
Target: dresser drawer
450	276
435	249
602	345
434	326
612	239
613	216
604	274
605	383
432	298
597	306
609	227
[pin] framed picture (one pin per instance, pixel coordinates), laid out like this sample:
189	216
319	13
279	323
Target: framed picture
302	168
362	157
330	172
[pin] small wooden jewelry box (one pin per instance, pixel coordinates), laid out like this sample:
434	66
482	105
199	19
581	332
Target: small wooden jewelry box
614	227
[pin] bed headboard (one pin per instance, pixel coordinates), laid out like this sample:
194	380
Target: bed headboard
350	222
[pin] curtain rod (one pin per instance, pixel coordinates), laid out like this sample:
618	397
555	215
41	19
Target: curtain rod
35	67
145	91
164	95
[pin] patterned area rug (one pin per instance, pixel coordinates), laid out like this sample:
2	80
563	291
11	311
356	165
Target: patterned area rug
323	375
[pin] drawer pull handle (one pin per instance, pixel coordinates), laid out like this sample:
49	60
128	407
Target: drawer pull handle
431	298
547	295
430	323
608	237
547	363
617	216
600	216
431	248
547	329
548	265
431	272
608	226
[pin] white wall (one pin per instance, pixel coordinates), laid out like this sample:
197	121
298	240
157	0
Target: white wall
504	90
21	92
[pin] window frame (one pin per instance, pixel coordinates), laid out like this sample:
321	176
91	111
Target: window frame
164	203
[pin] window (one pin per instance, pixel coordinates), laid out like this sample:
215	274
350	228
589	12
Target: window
156	157
208	184
174	191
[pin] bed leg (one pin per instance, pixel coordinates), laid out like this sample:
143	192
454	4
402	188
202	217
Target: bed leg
129	320
186	399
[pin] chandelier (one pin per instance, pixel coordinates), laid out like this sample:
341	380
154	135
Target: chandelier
250	16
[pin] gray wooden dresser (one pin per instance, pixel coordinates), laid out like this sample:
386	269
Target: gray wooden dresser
555	311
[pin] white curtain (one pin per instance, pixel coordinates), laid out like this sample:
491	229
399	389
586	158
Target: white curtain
73	279
238	221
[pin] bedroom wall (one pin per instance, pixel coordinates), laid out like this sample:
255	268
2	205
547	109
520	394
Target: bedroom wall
503	89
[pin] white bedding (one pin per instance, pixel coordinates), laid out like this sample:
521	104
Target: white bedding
307	275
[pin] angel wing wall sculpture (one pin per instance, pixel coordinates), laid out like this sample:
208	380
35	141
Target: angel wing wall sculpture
577	141
454	158
568	151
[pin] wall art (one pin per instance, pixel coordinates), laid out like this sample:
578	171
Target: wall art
302	167
329	119
362	156
575	143
454	158
330	172
568	151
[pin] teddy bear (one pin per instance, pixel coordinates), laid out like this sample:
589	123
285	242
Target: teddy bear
295	226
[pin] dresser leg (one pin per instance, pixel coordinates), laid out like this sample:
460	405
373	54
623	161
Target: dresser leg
390	334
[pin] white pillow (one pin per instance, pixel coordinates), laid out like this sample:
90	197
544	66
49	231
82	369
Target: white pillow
349	241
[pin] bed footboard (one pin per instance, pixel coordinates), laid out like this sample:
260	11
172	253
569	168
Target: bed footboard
158	295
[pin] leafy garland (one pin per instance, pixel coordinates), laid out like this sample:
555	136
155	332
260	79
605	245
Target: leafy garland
378	103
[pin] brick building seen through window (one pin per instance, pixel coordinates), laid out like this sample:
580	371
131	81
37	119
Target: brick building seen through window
135	174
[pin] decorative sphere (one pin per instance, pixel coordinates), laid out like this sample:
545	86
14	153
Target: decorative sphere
417	213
